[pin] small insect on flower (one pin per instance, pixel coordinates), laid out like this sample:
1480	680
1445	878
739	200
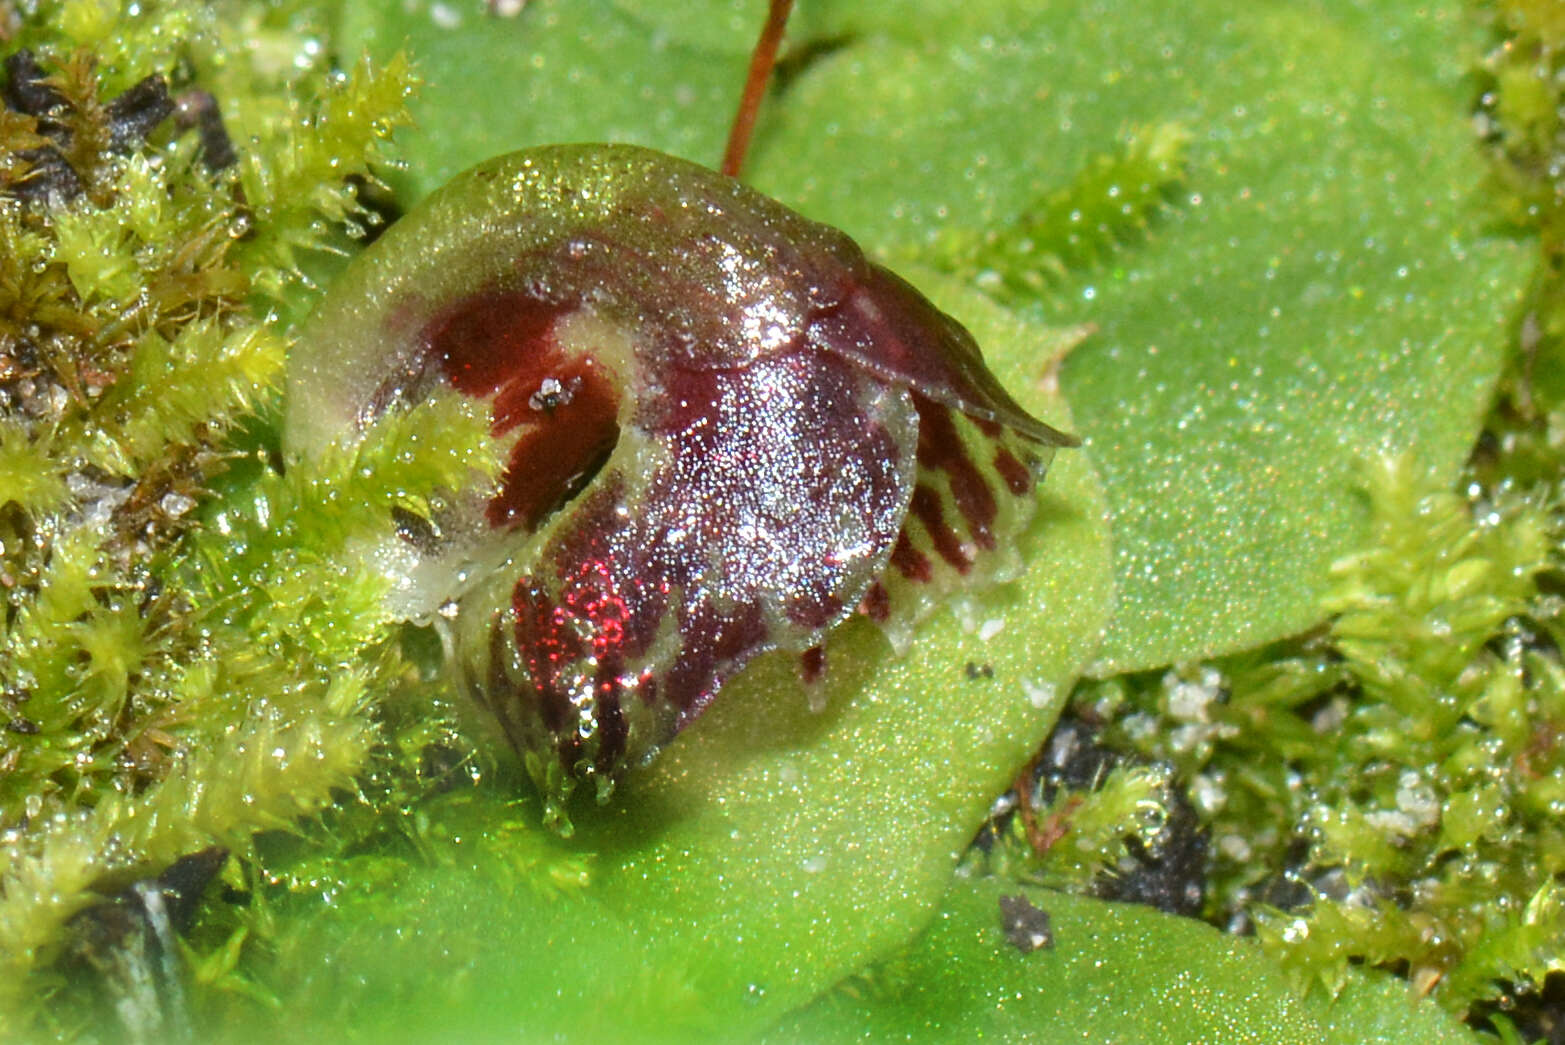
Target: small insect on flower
725	430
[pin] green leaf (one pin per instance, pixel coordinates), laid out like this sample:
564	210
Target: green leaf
560	71
1116	972
1321	290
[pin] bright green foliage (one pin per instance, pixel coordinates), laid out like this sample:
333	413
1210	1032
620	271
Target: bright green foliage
1415	746
303	130
1115	973
300	180
147	711
269	551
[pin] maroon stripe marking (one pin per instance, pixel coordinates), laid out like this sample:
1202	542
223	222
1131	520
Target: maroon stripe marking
926	506
813	663
1018	477
816	610
712	646
613	730
876	604
909	561
940	447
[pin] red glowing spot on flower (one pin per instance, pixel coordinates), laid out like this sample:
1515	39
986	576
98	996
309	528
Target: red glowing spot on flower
503	346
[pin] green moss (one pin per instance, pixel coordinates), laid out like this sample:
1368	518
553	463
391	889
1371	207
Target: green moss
1078	835
1412	750
1110	203
157	702
1522	112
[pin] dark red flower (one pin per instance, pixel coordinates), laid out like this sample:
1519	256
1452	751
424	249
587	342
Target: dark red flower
727	431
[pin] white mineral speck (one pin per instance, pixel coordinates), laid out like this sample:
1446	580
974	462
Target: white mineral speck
1188	700
1417	799
1139	726
1391	822
1039	694
1333	715
1208	793
1234	847
175	504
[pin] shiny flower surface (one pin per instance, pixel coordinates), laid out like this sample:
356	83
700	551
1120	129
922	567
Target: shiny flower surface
726	431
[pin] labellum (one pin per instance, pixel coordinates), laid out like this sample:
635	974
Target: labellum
725	430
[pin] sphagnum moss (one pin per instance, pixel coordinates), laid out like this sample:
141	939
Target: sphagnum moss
176	671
